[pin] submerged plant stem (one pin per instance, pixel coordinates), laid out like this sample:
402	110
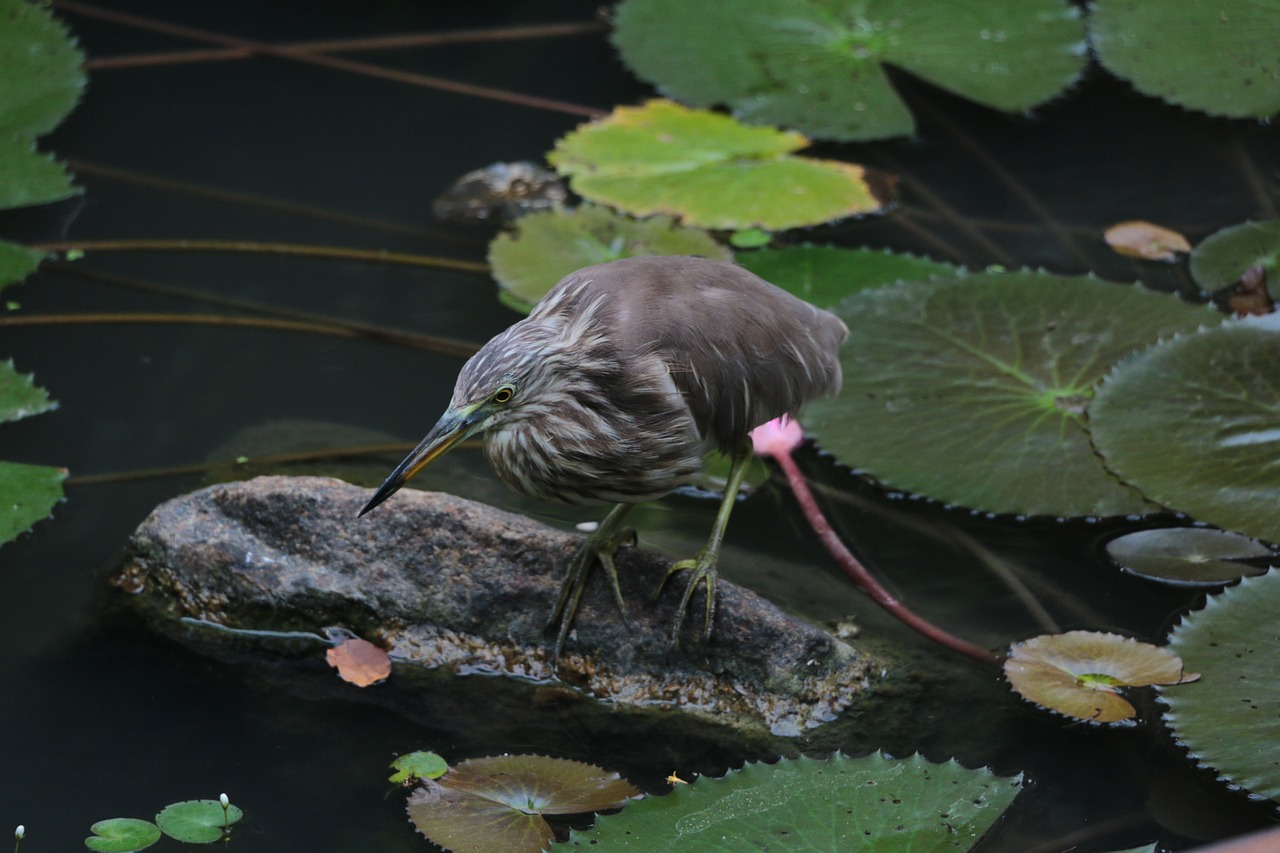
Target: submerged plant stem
858	572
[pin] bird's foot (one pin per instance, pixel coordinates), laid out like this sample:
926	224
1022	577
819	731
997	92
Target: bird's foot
702	570
600	546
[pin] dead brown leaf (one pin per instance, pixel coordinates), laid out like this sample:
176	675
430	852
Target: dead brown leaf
1138	239
359	662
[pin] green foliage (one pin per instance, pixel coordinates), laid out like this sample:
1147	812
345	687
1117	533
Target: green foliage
708	170
1229	720
1195	424
17	262
197	821
122	835
824	275
40	84
807	804
818	65
27	491
973	390
1220	259
418	765
19	396
1188	556
545	247
1217	57
497	803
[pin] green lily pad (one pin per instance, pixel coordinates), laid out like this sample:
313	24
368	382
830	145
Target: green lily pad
1216	57
817	65
806	804
1221	258
19	396
1188	556
497	803
122	835
418	765
1230	721
17	262
1080	673
710	171
972	391
545	247
823	275
1195	424
28	177
27	495
197	821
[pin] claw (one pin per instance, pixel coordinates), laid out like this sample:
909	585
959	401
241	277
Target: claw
702	569
600	546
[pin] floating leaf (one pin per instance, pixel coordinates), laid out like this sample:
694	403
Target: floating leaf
1191	556
1222	258
197	821
818	66
1195	424
1079	673
418	765
805	804
1136	239
27	495
17	262
545	247
1217	57
122	835
19	396
495	804
710	171
973	390
823	275
359	662
1230	721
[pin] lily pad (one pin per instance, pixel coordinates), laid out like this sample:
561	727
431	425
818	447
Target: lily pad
1216	57
17	262
197	821
545	247
418	765
1230	721
807	804
710	171
1221	258
497	803
122	835
1145	240
1188	556
823	275
972	391
818	65
27	495
1195	424
19	396
1080	673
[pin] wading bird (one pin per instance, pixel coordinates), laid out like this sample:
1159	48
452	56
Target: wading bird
618	384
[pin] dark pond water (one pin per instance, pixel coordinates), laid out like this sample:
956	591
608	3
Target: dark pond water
99	718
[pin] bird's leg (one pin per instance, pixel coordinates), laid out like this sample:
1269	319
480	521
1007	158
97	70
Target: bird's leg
601	544
702	566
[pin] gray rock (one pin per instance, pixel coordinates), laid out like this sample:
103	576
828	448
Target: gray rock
442	582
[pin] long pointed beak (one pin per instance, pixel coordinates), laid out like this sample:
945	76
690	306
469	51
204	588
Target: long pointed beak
453	426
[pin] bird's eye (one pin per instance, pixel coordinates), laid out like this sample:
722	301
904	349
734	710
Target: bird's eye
504	394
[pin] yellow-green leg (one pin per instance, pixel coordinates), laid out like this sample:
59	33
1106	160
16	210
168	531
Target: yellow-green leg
702	566
600	545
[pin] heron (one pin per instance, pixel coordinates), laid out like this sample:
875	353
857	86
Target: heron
616	387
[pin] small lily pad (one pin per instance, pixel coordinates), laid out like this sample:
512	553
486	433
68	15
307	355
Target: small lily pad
1079	673
545	247
17	262
810	805
823	275
1195	424
1222	258
819	66
1145	240
27	494
1216	57
1188	556
497	803
973	390
359	662
122	835
418	765
1230	721
711	171
197	821
20	397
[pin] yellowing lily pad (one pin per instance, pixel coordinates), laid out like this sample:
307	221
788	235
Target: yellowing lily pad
1080	673
1145	240
711	171
545	247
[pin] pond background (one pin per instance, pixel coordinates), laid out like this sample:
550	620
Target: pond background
99	718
